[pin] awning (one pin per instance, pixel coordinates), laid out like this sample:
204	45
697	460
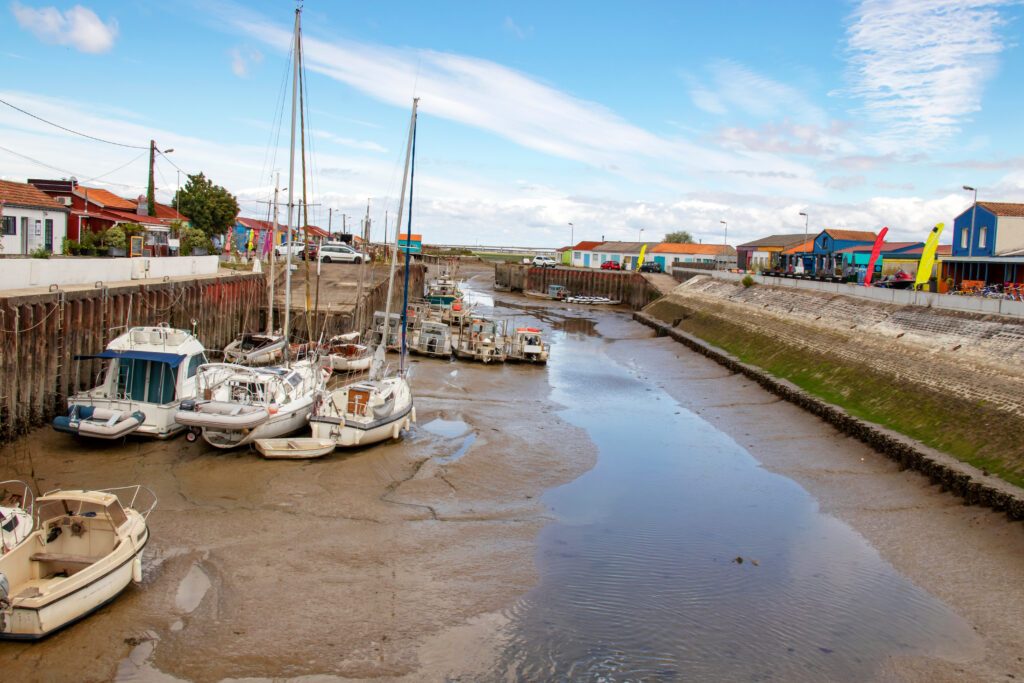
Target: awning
172	359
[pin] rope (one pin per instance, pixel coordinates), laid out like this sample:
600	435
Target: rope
3	315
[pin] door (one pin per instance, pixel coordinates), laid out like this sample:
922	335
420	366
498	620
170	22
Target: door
660	260
586	260
48	235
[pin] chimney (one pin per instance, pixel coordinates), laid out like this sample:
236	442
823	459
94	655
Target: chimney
141	207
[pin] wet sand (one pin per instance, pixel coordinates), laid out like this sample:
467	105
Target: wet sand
402	561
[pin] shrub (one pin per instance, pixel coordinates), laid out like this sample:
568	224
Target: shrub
747	281
41	252
194	238
115	237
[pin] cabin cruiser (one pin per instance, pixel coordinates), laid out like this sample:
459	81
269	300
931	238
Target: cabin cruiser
443	290
526	344
240	404
150	370
480	339
364	413
433	339
86	549
394	334
16	519
255	349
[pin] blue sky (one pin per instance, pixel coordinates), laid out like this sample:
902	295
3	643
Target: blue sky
615	117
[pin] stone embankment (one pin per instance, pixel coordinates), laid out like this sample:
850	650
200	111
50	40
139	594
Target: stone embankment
952	382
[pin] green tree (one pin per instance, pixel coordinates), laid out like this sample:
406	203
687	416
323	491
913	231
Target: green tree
209	207
679	237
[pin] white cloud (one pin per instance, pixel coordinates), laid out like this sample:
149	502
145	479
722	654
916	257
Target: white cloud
515	29
78	27
736	88
242	58
920	66
352	143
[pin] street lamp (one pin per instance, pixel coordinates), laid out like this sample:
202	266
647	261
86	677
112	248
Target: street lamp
572	229
974	210
640	235
725	242
807	221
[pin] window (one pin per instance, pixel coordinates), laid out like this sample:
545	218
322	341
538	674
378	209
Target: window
963	238
575	255
39	228
982	234
9	225
194	363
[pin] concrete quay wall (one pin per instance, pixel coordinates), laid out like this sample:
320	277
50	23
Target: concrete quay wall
954	382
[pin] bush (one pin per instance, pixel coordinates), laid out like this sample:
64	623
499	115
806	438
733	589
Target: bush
194	238
115	237
747	281
41	252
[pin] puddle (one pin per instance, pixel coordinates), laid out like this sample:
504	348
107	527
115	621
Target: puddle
461	451
679	558
446	428
192	590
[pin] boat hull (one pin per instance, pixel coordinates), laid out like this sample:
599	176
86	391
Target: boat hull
280	424
294	449
353	433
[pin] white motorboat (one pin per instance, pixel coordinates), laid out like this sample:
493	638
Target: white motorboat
591	300
16	519
86	549
255	349
240	404
526	344
294	448
433	339
150	370
480	339
364	413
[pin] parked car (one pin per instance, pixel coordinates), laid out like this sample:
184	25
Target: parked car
544	262
611	265
310	252
296	249
650	267
341	253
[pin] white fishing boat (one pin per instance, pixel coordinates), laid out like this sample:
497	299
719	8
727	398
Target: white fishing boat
480	339
443	290
16	519
86	549
240	404
433	339
149	372
379	408
297	448
526	345
255	349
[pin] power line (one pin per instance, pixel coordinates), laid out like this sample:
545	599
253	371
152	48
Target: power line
69	130
72	173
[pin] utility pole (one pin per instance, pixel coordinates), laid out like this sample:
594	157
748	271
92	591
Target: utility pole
330	212
151	191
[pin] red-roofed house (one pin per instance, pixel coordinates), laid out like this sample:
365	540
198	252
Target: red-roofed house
581	254
30	219
670	254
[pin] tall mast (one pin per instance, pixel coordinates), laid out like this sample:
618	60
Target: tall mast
378	360
273	244
291	190
408	240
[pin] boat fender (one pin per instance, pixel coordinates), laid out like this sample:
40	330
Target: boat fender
414	413
396	430
272	409
137	569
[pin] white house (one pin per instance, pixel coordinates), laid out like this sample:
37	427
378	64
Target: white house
625	254
582	253
30	220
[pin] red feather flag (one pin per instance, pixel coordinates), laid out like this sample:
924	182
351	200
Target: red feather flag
875	251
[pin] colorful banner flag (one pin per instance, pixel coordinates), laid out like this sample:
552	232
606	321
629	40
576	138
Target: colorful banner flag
640	261
924	268
875	251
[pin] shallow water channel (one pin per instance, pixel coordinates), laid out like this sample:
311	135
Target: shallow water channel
679	557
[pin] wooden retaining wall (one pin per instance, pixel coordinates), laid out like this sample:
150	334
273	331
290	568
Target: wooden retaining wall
40	334
628	287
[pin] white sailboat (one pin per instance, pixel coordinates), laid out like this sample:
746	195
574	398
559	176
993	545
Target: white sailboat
151	370
381	407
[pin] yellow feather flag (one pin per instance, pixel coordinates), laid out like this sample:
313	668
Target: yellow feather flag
924	268
640	261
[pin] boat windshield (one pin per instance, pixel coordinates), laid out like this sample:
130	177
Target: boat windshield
247	392
148	381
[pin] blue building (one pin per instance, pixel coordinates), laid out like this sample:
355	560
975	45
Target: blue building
988	244
826	259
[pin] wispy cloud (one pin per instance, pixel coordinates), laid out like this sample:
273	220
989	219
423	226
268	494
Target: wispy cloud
242	58
367	145
790	138
78	27
732	87
515	29
920	66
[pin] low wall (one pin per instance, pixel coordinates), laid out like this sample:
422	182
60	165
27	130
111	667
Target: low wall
950	380
40	334
901	297
33	272
628	287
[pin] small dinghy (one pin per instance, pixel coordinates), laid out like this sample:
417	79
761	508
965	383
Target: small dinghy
295	448
591	300
99	423
16	520
221	415
86	549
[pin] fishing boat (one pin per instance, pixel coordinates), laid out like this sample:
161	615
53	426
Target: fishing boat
555	292
150	371
481	340
381	407
16	519
86	549
526	345
294	448
240	404
255	349
433	339
443	290
394	333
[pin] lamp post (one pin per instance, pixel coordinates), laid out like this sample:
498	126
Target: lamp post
640	235
807	221
572	230
725	243
974	210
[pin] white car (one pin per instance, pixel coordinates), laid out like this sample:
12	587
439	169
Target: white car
296	247
341	253
544	262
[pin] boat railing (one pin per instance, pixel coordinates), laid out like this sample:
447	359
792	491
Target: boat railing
135	497
16	493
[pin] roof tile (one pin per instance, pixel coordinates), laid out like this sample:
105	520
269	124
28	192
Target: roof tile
23	194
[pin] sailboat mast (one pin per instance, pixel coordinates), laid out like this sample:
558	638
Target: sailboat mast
272	261
291	191
408	242
398	224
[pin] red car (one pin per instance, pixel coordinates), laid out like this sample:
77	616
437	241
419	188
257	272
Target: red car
611	265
